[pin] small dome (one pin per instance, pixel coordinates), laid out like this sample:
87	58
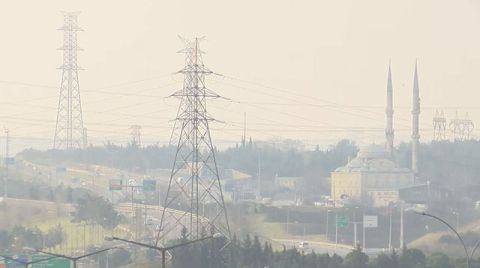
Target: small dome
373	151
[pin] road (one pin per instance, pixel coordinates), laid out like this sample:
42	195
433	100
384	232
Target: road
316	246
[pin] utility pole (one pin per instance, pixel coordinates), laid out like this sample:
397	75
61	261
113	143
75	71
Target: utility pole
363	233
326	228
336	232
244	138
69	130
288	220
195	156
259	185
402	237
355	234
7	157
390	229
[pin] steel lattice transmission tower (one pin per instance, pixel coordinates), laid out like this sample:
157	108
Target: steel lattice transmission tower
136	135
461	128
69	130
194	197
439	126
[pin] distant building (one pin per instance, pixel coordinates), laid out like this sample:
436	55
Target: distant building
370	178
238	186
291	183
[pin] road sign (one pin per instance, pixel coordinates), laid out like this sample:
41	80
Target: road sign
342	221
149	185
115	185
370	221
52	263
18	263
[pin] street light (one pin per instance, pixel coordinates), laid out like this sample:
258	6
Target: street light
163	250
26	263
75	259
456	233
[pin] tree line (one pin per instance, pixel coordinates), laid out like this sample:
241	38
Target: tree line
252	253
19	237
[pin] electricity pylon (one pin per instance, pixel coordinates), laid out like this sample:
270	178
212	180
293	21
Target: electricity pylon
439	126
69	130
194	197
136	135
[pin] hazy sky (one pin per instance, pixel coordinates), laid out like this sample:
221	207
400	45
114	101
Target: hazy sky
308	70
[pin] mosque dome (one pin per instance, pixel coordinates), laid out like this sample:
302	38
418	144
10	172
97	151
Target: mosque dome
373	151
372	157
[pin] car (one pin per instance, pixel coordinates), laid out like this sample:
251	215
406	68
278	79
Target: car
303	245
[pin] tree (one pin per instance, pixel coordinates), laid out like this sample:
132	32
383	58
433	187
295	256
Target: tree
335	262
98	210
438	260
412	258
119	257
382	261
356	259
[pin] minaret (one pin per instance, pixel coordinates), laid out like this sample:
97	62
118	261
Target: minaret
389	133
415	115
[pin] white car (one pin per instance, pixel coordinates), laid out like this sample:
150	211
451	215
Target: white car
303	245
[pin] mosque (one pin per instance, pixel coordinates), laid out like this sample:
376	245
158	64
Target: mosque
373	178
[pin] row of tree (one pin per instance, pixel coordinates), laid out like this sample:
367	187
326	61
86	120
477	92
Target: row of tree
19	237
252	253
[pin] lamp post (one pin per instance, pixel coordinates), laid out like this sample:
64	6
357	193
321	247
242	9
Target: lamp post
75	259
456	233
164	250
474	249
26	263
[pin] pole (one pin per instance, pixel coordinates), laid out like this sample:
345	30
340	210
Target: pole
390	231
326	231
402	238
363	228
7	141
336	232
355	234
258	179
288	219
163	258
244	129
457	214
455	231
84	237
